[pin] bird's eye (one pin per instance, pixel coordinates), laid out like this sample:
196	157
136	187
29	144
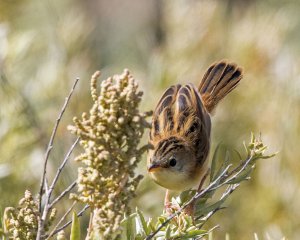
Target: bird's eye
173	162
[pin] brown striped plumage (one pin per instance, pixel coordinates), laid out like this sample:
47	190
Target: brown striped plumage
181	127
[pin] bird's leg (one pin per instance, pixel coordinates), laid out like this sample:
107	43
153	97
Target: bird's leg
167	203
190	209
169	206
203	180
167	200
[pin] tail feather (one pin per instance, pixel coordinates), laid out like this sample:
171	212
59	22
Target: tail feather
219	80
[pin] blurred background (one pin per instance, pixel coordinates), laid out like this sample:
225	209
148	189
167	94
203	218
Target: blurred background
45	45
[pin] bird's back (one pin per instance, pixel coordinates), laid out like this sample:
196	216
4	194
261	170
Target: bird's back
180	116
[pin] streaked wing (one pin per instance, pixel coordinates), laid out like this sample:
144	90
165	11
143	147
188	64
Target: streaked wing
180	113
188	103
163	114
193	121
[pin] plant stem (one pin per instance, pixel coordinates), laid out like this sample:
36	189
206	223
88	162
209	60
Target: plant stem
61	220
66	191
43	214
61	168
68	223
90	228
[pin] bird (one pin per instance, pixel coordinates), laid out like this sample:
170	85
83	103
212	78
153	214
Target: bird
180	133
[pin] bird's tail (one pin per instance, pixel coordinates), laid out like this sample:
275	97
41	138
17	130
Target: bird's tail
219	80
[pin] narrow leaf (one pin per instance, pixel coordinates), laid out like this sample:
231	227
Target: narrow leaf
243	176
150	225
189	235
246	149
227	159
126	218
168	232
195	233
214	162
238	154
75	229
129	226
211	207
143	222
185	196
224	165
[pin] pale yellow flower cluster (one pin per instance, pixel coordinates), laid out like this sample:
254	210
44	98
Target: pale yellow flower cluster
22	222
61	236
110	135
257	148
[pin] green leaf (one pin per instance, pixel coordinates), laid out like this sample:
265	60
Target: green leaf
214	162
128	223
185	196
139	237
142	222
195	233
227	159
243	176
75	229
224	164
168	232
126	218
269	156
246	149
161	219
252	137
150	225
238	154
201	204
190	234
210	207
129	229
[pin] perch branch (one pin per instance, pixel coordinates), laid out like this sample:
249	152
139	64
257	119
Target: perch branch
222	179
195	197
228	191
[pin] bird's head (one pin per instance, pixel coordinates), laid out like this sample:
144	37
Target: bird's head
172	164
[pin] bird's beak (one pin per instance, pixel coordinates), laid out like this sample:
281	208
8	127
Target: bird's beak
153	167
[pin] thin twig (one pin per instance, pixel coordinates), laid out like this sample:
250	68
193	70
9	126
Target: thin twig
237	172
60	168
62	219
65	192
209	215
49	148
90	228
228	191
49	191
208	232
46	186
50	144
68	223
242	163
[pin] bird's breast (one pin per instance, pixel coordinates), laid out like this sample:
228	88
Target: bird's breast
176	181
